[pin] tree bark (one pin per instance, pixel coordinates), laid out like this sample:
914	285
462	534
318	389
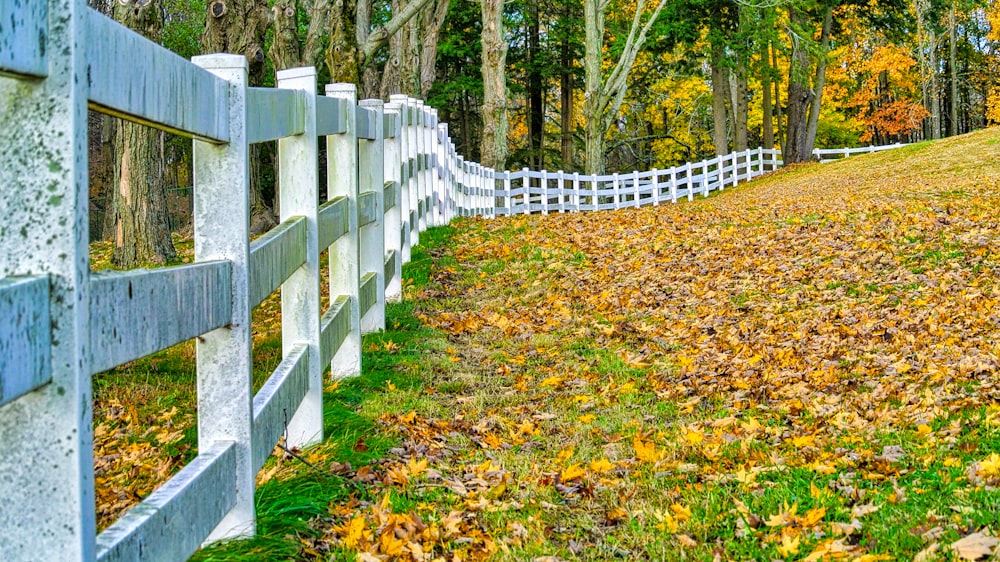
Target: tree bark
720	91
820	82
953	72
779	132
800	95
935	90
603	95
566	94
239	27
767	139
740	107
536	109
139	201
494	136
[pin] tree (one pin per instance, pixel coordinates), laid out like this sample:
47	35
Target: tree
141	226
493	144
604	92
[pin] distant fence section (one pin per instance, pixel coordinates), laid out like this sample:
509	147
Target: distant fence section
392	172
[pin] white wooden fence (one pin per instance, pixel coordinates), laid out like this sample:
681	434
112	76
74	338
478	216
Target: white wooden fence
392	172
546	192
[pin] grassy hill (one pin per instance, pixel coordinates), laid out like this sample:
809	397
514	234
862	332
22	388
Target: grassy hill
803	367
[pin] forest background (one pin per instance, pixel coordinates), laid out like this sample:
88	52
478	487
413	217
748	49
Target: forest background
576	85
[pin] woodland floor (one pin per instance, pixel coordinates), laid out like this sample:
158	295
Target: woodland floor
806	367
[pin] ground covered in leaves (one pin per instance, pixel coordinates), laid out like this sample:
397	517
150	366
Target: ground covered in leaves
801	368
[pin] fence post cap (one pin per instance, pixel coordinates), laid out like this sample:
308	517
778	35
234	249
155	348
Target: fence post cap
220	61
298	72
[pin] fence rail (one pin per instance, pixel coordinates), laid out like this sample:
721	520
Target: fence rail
392	172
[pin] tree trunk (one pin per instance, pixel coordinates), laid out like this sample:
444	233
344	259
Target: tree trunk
765	87
800	95
935	90
820	82
953	71
536	109
566	99
494	135
720	91
239	27
740	108
779	133
139	200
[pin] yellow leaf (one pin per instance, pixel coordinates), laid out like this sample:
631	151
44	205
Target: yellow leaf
813	516
408	418
353	531
572	473
683	513
694	437
587	418
789	545
601	466
416	467
565	454
924	430
552	381
646	450
804	441
990	466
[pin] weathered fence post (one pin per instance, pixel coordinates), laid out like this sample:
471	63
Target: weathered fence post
673	184
47	466
342	181
704	171
393	215
298	168
526	183
405	173
222	232
656	187
576	191
371	237
635	183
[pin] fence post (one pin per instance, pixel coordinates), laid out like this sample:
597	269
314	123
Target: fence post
617	192
422	175
47	466
704	177
371	236
298	168
222	232
342	180
576	191
656	187
437	181
405	142
673	184
690	182
736	171
526	183
635	184
393	216
760	160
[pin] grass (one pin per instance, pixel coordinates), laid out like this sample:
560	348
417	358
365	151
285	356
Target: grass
657	384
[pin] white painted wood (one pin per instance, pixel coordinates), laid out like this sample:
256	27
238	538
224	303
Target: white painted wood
342	180
335	328
436	169
23	27
331	116
393	216
138	312
635	189
273	113
704	174
275	256
46	468
673	185
25	336
298	168
656	187
422	171
334	220
222	232
371	179
368	211
132	77
174	520
366	123
280	401
405	198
